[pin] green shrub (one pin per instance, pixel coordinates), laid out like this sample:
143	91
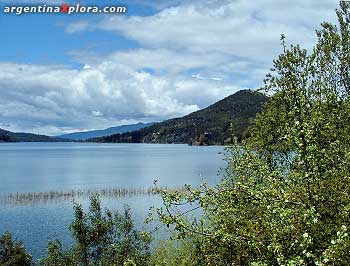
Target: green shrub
12	253
101	238
173	253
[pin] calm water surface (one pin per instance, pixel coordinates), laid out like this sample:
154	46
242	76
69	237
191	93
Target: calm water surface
34	167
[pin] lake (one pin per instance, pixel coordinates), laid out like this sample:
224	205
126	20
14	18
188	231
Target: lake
45	167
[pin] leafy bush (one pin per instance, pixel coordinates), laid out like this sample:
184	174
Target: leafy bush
173	253
101	238
12	253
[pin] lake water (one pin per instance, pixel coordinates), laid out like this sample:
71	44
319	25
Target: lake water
44	167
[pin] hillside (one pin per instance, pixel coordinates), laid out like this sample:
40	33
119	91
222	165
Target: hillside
105	132
208	126
8	136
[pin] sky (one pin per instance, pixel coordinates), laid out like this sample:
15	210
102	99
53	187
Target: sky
62	73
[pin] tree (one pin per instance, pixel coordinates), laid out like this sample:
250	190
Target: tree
13	253
101	238
285	198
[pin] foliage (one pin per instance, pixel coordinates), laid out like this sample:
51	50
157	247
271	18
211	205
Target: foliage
12	253
285	199
211	125
101	238
171	253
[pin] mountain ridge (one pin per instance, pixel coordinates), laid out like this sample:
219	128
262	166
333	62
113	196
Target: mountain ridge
8	136
84	135
208	126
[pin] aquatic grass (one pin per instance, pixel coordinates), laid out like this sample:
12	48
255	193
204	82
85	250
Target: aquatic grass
57	196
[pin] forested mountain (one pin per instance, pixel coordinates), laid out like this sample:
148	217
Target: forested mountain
212	125
105	132
8	136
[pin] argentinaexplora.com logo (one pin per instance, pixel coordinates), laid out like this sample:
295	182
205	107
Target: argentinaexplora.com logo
64	8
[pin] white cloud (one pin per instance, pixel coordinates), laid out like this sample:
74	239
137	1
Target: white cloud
77	26
103	96
197	76
96	113
248	29
234	41
86	66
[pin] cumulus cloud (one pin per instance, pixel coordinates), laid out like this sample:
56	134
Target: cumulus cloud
234	41
105	94
242	28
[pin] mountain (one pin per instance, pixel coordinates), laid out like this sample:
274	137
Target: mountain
212	125
8	136
105	132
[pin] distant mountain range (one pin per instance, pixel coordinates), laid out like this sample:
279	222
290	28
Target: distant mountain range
105	132
213	125
8	136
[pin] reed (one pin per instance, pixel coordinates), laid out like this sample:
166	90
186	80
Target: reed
56	196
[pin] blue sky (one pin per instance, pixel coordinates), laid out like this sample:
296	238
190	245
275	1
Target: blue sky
25	36
162	59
